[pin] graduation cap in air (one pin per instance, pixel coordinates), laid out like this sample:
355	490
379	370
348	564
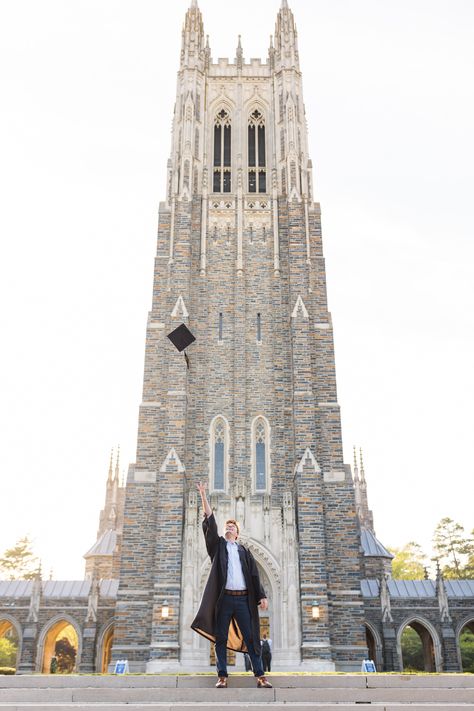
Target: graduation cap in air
181	338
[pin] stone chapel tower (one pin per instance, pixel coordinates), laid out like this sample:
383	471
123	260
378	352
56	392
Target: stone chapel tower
239	259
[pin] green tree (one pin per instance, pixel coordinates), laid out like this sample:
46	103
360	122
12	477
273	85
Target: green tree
19	562
409	562
412	650
65	654
454	549
466	643
469	567
8	650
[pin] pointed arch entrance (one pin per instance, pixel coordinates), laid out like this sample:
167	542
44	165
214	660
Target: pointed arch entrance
59	639
271	619
419	646
10	640
104	649
466	645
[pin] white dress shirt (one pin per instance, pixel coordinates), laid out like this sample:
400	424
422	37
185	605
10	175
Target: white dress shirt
235	576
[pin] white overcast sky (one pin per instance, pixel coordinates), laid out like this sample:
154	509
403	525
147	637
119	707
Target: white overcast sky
86	91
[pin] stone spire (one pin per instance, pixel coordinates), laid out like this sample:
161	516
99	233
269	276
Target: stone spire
356	468
35	599
110	476
362	472
193	43
357	486
117	465
365	515
286	39
442	595
109	512
239	54
116	477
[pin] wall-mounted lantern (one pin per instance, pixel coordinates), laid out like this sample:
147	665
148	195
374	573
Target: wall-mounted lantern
315	611
165	609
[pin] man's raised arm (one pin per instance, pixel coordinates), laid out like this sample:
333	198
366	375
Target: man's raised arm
205	503
209	525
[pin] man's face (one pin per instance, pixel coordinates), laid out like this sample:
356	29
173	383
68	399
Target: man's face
231	531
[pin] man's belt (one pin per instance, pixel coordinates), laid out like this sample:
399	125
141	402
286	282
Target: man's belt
236	592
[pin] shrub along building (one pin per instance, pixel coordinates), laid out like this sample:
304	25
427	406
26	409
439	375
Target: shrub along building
239	260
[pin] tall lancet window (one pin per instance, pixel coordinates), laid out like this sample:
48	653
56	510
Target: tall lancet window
261	455
219	446
257	153
222	153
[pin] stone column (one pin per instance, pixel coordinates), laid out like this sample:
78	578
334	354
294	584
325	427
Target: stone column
28	661
89	633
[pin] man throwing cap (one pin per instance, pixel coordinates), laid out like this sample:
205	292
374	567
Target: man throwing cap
228	614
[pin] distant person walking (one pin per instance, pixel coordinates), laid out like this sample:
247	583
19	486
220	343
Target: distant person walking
266	653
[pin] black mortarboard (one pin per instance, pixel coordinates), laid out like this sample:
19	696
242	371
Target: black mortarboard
181	337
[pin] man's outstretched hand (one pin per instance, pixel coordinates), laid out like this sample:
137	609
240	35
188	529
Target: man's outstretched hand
263	603
205	504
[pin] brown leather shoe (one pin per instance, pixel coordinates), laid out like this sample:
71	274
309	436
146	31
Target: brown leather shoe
263	683
221	683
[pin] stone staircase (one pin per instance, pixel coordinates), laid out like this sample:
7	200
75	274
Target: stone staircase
299	692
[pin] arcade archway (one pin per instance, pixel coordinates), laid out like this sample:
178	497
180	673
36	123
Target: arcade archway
60	645
105	650
466	646
417	648
9	643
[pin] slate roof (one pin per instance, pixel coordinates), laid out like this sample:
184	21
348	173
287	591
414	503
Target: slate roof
418	588
57	588
372	546
105	545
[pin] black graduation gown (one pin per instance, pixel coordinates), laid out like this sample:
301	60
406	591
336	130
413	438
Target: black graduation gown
205	621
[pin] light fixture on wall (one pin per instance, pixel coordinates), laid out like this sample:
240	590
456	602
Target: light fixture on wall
165	609
315	611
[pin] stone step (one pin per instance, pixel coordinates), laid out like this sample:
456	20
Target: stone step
359	696
314	706
201	681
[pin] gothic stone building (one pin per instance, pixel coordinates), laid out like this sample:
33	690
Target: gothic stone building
240	261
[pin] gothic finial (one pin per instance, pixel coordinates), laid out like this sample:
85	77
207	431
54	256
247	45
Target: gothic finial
110	465
362	472
271	41
284	5
239	54
39	573
194	3
117	464
51	574
207	41
356	468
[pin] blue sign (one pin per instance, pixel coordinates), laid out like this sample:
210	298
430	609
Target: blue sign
121	666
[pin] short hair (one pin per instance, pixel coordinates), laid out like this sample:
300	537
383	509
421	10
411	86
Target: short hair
232	520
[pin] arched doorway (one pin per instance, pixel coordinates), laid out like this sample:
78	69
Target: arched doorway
417	648
466	646
60	648
371	646
106	649
9	643
374	645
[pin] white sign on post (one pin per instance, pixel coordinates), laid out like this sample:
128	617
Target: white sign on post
121	666
368	665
